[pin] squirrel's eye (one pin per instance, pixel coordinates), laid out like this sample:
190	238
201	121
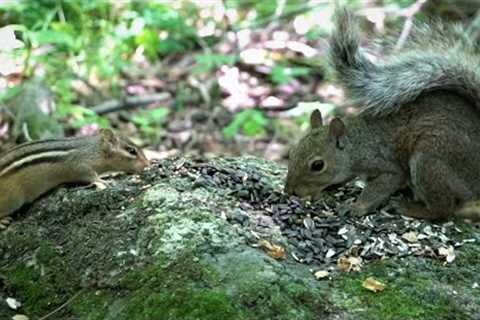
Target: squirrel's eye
317	165
131	150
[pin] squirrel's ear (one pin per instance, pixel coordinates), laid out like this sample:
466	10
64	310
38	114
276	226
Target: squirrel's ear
315	119
336	130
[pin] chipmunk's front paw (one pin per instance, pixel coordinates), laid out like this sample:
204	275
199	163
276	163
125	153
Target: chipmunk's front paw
5	222
100	184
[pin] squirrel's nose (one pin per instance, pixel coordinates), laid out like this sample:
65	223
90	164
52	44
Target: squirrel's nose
288	189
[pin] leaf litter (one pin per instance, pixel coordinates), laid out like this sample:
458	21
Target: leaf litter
373	284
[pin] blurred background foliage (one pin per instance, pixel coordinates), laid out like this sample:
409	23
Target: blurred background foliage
197	77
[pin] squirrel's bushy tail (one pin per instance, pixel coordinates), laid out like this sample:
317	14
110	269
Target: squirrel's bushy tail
433	59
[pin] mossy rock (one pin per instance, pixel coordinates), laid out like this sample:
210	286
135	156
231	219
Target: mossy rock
159	247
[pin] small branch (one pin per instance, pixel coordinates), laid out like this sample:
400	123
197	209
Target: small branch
129	102
62	306
302	8
409	13
229	27
280	7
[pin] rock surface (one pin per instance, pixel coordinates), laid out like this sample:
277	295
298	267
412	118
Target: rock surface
217	239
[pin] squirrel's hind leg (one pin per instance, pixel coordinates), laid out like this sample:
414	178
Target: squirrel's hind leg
417	210
436	184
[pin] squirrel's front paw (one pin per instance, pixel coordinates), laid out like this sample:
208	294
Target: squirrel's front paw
359	209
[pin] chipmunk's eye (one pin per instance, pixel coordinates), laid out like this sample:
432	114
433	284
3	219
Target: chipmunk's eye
317	165
131	150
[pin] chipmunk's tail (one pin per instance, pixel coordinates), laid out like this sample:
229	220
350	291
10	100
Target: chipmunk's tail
434	58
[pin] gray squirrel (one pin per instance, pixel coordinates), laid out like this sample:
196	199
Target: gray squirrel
419	126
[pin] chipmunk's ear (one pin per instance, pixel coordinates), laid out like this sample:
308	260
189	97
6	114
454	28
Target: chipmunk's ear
316	119
336	130
109	139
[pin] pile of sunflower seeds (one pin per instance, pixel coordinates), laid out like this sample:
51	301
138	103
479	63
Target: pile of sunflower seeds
323	232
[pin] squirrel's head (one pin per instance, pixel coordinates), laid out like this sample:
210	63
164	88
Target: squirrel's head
319	159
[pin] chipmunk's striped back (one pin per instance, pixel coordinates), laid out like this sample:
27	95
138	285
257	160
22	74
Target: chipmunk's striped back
35	152
31	169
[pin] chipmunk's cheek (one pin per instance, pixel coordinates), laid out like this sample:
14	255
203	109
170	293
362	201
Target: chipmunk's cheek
139	166
143	165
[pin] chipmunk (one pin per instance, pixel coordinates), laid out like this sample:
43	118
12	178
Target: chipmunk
419	128
33	168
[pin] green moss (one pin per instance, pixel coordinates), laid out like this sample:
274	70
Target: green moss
189	289
147	303
179	290
44	284
287	301
185	268
180	304
408	295
93	305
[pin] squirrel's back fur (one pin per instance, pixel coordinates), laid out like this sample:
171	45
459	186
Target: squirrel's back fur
434	58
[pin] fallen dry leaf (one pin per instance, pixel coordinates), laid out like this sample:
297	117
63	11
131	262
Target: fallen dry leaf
321	274
448	253
273	250
410	236
348	264
13	303
373	285
330	253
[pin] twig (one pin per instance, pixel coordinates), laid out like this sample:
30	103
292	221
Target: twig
62	306
298	10
279	11
229	27
280	7
407	27
129	102
26	133
203	88
85	81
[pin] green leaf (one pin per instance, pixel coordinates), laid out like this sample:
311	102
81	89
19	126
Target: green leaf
282	75
9	93
148	120
208	62
251	122
150	42
53	37
81	116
